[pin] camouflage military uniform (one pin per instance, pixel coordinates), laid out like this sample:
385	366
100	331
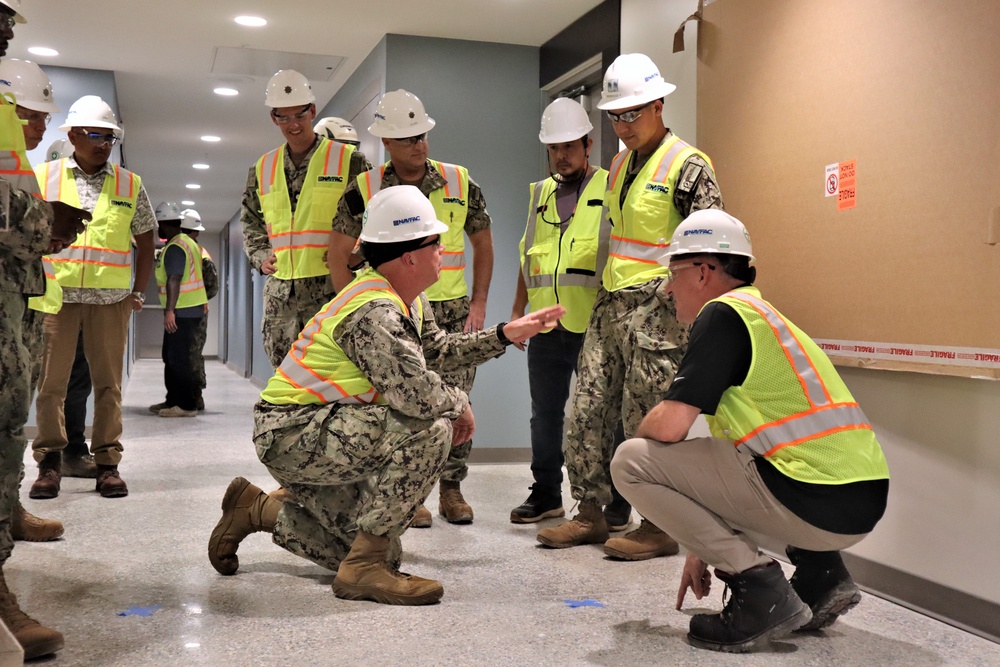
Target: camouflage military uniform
288	304
368	467
21	275
630	353
450	315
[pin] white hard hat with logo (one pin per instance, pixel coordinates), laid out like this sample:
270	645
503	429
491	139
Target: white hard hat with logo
92	111
288	88
29	84
564	120
709	231
400	213
400	114
631	80
167	211
14	5
191	220
59	148
337	129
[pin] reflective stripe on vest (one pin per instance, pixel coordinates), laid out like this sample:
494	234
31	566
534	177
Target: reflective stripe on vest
346	383
645	218
101	257
51	301
300	238
452	207
824	416
192	287
547	252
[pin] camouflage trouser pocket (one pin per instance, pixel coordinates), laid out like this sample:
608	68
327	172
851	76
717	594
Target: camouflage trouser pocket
654	363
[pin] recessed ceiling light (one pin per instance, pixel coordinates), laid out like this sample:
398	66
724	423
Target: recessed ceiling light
211	138
200	165
227	92
43	51
193	186
187	202
251	21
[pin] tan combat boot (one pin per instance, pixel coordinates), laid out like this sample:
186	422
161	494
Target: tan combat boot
28	527
281	494
452	505
422	519
245	509
36	639
645	542
587	527
365	575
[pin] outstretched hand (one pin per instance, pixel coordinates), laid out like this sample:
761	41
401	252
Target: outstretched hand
525	327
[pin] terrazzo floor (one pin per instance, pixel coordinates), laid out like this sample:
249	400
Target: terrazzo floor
505	599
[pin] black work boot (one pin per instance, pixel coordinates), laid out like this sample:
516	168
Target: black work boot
49	477
618	514
762	606
541	504
822	581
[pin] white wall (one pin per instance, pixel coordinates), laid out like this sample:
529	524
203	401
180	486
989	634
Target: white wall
939	433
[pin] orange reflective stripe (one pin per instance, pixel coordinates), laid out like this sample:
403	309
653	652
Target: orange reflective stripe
616	167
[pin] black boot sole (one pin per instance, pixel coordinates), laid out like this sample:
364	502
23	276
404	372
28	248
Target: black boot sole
549	514
782	629
836	602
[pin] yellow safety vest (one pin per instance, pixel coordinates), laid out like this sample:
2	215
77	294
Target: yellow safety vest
793	408
51	301
101	257
14	165
645	222
192	289
316	371
451	204
565	268
300	238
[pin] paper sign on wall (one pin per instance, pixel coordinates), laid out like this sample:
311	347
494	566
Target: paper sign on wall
840	182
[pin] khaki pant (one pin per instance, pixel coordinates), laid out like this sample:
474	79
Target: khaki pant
704	493
105	332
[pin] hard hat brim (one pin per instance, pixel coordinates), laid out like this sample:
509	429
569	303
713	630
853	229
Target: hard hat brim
44	107
403	133
199	228
654	93
119	132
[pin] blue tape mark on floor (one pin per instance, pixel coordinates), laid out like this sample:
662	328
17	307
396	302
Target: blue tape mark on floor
139	611
587	602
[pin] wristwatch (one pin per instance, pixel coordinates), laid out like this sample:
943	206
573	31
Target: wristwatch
140	295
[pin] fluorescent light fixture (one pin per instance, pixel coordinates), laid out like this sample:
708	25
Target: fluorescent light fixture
43	51
226	92
200	165
211	138
251	21
193	186
187	202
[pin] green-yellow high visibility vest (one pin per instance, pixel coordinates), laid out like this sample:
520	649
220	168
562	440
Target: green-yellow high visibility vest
192	288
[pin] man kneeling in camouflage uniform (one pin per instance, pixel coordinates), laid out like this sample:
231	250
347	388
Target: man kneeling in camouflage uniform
354	424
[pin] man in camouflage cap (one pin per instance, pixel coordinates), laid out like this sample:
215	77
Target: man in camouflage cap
354	424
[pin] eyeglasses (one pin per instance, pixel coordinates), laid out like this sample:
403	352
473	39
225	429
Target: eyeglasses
674	268
7	22
298	116
35	117
629	116
99	139
436	241
412	141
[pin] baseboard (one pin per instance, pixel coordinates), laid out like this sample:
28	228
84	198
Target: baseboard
962	610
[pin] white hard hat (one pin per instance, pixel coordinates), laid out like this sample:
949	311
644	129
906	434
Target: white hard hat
191	220
337	129
168	211
26	80
564	120
632	80
59	148
709	231
399	115
288	88
16	6
400	213
92	111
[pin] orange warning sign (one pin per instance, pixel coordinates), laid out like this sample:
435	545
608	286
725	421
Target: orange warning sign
847	195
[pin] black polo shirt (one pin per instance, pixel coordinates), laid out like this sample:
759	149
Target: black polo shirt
718	357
